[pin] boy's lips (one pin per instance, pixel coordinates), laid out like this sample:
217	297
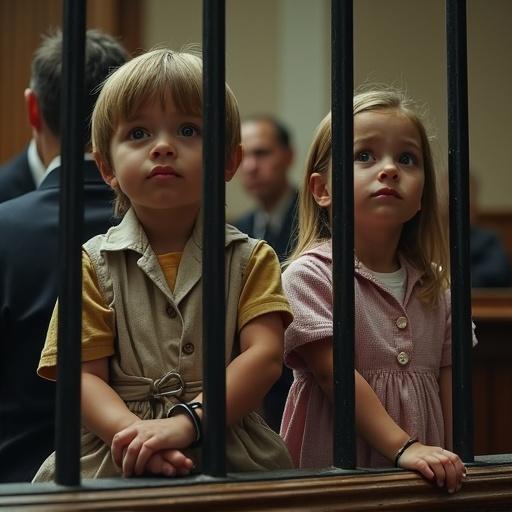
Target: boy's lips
163	170
386	191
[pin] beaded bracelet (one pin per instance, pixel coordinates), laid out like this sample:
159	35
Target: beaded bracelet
190	410
406	445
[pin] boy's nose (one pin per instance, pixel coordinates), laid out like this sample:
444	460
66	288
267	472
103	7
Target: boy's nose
163	147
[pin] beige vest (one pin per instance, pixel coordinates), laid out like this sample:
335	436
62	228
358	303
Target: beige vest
158	356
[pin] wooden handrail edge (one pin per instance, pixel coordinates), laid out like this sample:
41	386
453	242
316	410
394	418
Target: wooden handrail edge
488	485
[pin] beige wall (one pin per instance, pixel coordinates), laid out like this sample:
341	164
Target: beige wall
278	60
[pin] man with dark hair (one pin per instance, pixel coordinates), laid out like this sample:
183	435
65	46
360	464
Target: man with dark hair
25	171
29	256
268	156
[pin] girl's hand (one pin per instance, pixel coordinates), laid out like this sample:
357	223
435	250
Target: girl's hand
434	463
134	446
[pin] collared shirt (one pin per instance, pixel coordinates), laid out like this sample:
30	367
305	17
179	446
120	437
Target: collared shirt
56	163
264	221
35	163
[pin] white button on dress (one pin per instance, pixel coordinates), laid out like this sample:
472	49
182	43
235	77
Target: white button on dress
401	322
402	358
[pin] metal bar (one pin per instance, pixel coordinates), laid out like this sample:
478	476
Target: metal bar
344	455
458	159
67	432
214	310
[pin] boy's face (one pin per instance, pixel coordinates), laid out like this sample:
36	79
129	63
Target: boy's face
156	158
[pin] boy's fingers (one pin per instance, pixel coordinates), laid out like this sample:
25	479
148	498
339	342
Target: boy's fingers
118	445
143	456
130	457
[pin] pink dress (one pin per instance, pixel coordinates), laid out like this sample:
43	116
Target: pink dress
399	349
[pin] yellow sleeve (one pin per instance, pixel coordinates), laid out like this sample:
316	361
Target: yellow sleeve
98	327
262	290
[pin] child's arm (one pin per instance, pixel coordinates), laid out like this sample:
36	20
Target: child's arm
375	425
248	378
251	375
106	414
445	387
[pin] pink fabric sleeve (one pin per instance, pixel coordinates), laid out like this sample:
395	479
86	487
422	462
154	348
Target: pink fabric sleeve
307	284
446	358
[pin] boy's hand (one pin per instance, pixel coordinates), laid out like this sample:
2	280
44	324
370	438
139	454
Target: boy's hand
441	466
134	446
169	463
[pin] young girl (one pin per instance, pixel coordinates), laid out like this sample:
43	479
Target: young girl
142	311
402	305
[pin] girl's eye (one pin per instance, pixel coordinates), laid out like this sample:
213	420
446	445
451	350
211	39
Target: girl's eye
188	130
407	159
138	133
363	156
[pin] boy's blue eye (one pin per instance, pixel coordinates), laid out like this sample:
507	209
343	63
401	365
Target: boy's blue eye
363	156
188	130
138	133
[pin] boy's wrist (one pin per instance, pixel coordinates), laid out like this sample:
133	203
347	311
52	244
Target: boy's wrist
190	411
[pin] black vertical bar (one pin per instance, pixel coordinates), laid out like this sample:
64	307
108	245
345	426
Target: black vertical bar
67	440
342	72
458	159
214	377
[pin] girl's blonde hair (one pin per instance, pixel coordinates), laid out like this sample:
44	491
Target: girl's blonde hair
153	76
423	239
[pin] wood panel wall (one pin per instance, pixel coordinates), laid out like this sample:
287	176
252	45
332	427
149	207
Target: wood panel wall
22	22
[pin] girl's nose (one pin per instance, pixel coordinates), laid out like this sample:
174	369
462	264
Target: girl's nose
389	171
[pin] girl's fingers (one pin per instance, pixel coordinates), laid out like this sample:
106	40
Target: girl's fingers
451	480
438	469
424	469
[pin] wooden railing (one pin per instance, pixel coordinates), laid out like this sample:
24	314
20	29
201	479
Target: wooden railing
487	488
492	370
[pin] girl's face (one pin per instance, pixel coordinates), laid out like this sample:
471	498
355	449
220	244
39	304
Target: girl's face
388	169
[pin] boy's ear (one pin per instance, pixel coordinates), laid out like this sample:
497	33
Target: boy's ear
233	163
107	173
319	189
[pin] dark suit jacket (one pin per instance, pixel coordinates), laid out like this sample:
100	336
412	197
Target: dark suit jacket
490	265
15	177
28	291
281	242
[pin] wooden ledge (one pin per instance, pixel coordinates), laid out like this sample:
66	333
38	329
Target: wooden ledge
487	488
491	304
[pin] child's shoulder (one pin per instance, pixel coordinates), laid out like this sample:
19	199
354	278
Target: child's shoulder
315	262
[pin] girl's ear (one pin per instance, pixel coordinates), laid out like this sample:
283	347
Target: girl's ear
107	173
233	163
319	189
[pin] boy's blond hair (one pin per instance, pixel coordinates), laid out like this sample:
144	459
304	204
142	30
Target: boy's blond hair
423	240
152	76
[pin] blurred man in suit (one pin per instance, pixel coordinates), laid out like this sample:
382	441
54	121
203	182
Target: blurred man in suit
264	171
29	257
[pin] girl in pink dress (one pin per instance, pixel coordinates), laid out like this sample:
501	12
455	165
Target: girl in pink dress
402	302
